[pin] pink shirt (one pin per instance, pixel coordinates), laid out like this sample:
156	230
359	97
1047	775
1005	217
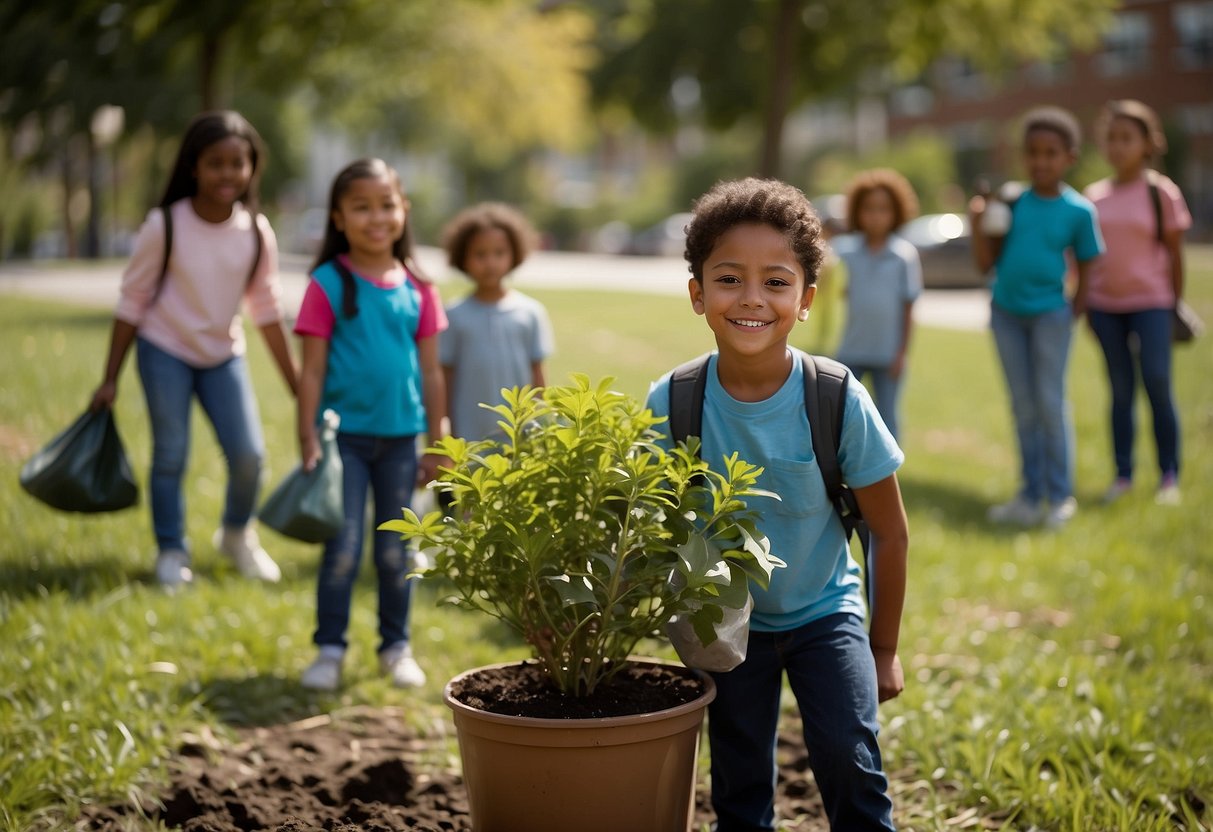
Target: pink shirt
196	316
316	316
1135	273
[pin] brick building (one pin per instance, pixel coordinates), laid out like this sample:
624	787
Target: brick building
1157	51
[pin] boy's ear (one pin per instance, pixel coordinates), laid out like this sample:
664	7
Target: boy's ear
806	301
695	288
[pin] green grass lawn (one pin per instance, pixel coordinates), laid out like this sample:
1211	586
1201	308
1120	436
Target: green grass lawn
1054	681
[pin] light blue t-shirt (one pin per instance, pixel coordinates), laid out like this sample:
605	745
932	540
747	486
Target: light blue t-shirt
1030	274
879	285
490	346
821	577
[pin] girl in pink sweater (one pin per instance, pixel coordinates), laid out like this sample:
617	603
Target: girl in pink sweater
199	256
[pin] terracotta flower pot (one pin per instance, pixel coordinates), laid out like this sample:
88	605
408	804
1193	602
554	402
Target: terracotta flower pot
634	773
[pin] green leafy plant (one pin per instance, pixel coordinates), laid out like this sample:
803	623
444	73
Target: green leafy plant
579	531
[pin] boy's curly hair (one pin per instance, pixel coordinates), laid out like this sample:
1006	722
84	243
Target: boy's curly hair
465	225
899	189
766	201
1057	120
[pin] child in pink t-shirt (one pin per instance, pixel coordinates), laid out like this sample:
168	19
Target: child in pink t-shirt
1133	291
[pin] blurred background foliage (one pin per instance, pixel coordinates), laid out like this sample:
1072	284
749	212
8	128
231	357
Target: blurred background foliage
584	113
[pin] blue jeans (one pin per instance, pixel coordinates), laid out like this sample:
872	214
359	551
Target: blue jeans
388	465
226	395
1034	350
1152	329
833	677
886	392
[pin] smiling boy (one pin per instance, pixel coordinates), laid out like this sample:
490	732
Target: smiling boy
754	249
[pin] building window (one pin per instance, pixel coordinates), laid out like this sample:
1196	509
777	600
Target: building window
1194	28
911	101
1126	46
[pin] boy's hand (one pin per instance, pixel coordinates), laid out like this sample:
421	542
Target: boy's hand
890	681
898	365
309	450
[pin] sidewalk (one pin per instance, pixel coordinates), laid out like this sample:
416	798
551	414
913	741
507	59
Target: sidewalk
97	283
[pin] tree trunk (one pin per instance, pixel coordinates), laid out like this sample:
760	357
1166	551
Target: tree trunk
92	230
69	228
208	70
786	35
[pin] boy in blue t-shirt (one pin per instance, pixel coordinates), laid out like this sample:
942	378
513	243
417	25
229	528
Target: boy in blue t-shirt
1031	318
755	248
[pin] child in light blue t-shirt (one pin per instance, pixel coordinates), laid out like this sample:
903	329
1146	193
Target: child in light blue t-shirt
498	337
884	278
755	248
1031	318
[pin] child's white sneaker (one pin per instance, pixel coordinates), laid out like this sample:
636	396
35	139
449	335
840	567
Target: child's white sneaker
1017	512
1168	491
173	569
397	663
244	548
1061	513
325	672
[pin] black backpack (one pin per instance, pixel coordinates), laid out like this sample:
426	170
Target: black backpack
825	398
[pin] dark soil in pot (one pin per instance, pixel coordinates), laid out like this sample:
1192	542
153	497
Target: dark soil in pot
524	690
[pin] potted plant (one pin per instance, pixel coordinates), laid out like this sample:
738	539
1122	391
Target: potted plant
585	536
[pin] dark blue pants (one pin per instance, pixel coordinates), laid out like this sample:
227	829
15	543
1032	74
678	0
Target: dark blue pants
1152	329
388	465
833	677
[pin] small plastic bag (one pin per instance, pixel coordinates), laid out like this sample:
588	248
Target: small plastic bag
1186	325
723	654
308	505
84	468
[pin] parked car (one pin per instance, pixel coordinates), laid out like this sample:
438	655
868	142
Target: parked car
667	238
944	246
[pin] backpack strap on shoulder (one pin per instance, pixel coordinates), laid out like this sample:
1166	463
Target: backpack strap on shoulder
1156	203
825	399
688	386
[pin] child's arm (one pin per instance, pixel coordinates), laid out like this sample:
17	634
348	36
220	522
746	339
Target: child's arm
985	249
1079	303
880	504
1173	239
275	339
537	377
121	337
907	323
310	386
433	391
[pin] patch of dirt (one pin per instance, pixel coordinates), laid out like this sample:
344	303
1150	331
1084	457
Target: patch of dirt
364	770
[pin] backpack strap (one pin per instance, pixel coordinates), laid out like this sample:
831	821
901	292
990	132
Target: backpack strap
1156	202
688	386
825	399
258	246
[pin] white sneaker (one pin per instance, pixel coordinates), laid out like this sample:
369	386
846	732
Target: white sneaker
173	568
398	663
1018	512
1061	513
1168	491
324	673
243	547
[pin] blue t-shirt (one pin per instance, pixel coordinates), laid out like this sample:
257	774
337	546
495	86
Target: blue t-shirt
879	285
1030	274
821	577
373	377
489	346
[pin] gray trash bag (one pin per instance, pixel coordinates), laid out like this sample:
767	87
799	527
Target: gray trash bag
723	654
308	505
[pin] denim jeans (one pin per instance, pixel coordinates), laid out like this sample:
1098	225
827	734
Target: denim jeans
226	395
388	465
1152	329
833	677
1034	350
886	392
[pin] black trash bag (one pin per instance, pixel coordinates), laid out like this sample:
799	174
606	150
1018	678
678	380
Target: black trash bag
84	468
308	505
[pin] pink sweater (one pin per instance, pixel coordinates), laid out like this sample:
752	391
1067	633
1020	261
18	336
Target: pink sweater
196	316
